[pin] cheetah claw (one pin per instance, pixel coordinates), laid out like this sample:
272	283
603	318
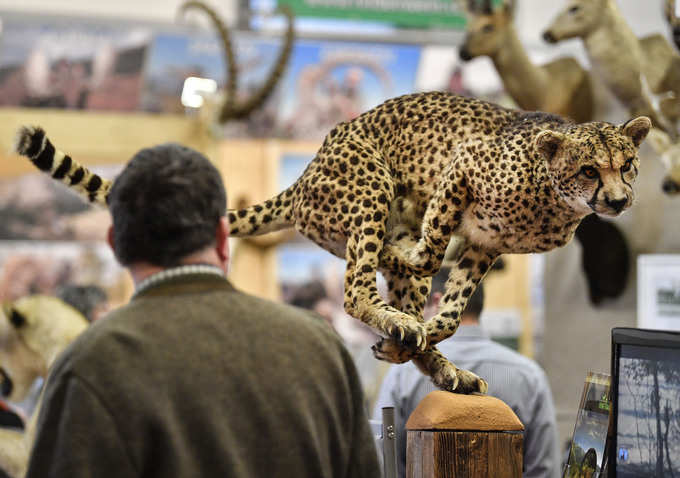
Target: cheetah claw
457	380
411	335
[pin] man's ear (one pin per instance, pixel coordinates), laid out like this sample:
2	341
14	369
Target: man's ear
547	143
637	129
222	238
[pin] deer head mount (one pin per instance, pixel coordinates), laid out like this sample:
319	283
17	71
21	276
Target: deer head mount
673	20
232	108
486	28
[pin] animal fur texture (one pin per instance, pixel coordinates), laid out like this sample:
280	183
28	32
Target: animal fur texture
388	190
34	330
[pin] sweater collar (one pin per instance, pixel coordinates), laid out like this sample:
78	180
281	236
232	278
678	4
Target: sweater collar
178	274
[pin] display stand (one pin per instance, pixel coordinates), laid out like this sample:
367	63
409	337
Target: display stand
463	436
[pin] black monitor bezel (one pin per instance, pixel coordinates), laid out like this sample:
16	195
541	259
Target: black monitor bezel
631	336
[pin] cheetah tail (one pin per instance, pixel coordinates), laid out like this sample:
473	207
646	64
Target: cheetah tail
272	215
34	144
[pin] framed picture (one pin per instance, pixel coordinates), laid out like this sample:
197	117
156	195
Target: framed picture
659	291
588	445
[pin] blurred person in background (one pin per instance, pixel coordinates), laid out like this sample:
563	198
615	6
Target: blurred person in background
515	379
90	300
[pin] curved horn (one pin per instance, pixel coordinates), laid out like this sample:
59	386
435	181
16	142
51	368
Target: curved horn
240	111
231	81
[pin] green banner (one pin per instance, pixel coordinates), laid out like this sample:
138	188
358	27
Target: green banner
401	13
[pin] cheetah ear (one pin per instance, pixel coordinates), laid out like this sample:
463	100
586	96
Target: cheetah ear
637	129
548	142
15	317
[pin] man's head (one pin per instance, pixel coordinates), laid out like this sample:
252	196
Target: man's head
475	303
167	204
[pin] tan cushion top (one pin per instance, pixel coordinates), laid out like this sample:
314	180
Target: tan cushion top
441	410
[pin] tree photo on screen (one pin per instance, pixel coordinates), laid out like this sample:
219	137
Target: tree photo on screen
649	416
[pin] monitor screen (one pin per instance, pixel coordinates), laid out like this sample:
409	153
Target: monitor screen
646	402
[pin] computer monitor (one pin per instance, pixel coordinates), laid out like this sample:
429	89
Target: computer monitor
646	403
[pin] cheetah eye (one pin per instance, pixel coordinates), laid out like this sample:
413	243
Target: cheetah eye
627	165
488	28
574	9
589	172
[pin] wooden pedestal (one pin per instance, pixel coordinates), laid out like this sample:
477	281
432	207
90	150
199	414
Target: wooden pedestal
463	436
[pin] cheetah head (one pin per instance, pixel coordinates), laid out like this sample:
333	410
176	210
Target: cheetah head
593	166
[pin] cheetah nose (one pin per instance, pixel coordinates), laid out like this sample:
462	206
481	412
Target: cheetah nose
617	204
549	37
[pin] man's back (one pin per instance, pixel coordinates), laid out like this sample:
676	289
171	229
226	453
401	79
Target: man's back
193	378
513	378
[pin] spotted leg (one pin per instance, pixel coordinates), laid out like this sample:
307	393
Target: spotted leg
442	217
409	294
469	269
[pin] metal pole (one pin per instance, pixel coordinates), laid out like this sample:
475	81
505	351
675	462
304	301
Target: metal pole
389	435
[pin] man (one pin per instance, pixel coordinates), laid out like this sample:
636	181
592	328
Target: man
90	300
193	378
513	378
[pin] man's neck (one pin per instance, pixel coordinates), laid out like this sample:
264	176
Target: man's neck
469	320
143	270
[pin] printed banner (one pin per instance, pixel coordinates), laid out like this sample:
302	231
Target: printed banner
324	83
65	63
400	13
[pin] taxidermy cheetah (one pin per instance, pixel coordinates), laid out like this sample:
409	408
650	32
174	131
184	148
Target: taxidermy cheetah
388	190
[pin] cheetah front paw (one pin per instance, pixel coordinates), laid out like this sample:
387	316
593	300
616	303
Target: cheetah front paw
452	379
409	332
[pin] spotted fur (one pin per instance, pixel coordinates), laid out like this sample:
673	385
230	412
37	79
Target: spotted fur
390	189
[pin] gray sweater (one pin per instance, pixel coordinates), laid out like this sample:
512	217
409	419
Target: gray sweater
195	379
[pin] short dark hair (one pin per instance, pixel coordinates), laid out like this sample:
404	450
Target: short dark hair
309	294
475	303
83	298
165	205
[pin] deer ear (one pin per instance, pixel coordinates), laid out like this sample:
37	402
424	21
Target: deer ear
637	129
548	142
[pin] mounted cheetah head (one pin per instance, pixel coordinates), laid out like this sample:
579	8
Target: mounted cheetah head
594	166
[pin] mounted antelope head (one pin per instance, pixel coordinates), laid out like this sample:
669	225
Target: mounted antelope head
578	19
487	28
673	20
